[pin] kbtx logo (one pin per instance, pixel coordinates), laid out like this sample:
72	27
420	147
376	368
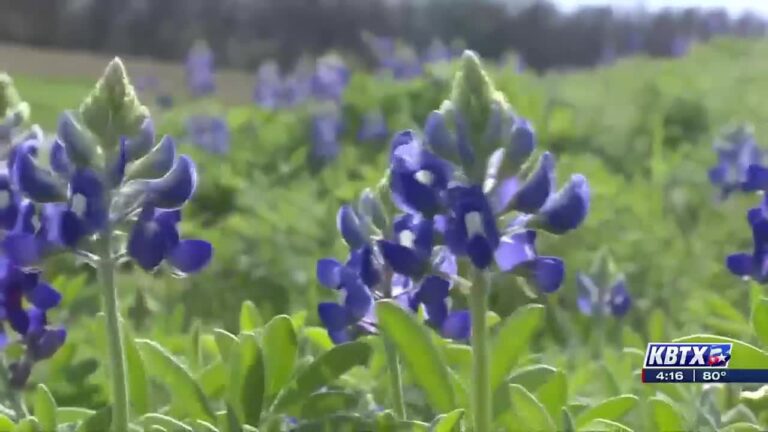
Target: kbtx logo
677	355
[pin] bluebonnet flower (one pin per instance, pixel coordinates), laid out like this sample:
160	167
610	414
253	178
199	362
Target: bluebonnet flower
92	189
373	128
330	78
753	265
438	52
25	299
592	300
164	100
146	83
201	79
608	54
400	61
471	196
454	189
378	268
325	133
680	46
738	162
268	88
155	238
210	133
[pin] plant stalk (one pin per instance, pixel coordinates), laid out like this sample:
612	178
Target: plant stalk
481	386
114	333
393	363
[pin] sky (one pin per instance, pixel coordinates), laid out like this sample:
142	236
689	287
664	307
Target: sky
733	6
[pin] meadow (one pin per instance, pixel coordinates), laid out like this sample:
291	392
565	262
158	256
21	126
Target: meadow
240	345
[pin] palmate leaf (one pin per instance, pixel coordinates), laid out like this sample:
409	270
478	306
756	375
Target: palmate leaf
527	413
419	353
321	372
188	398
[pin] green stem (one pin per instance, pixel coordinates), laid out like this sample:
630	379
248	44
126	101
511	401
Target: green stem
14	396
114	333
481	386
395	380
393	362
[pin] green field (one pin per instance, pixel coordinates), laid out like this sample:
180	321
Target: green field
641	131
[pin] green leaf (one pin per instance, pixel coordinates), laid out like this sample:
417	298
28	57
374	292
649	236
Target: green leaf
743	355
528	413
609	409
605	425
231	421
72	414
742	427
449	422
29	424
137	374
213	379
512	339
204	426
665	415
253	381
656	325
420	356
568	425
386	422
186	394
531	377
553	394
329	402
322	372
630	338
318	337
224	341
6	424
250	318
335	423
100	421
45	408
280	348
164	421
760	320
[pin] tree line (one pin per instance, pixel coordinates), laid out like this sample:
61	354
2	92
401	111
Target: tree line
243	33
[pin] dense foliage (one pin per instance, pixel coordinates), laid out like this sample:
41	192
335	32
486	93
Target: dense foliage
244	33
240	345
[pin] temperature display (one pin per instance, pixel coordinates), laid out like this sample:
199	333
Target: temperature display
704	375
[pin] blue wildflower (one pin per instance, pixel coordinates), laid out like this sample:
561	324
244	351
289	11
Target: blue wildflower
209	133
753	265
201	80
680	46
738	163
418	178
614	300
329	79
155	238
325	132
438	52
373	128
